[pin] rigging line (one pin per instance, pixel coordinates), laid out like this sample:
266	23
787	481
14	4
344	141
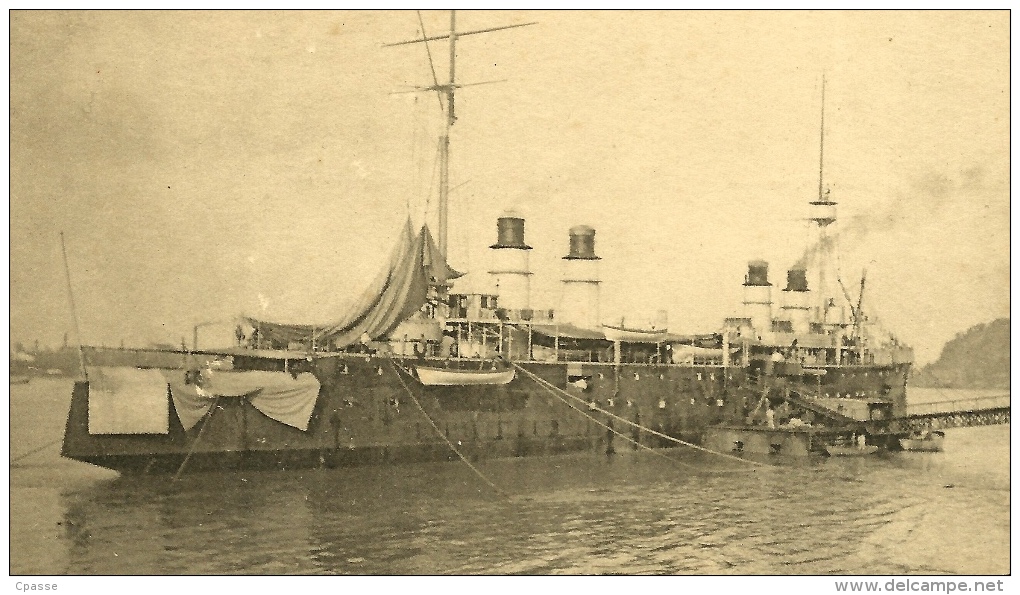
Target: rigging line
465	211
432	178
551	390
74	311
396	370
194	444
435	79
939	382
628	422
808	243
421	134
551	387
35	450
414	163
632	441
613	430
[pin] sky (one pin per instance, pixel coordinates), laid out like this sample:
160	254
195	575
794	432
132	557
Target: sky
202	165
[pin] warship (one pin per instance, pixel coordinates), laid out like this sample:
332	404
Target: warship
422	369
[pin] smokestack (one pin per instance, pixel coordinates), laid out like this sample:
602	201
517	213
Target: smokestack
580	302
797	300
582	243
511	267
757	274
796	279
758	296
510	232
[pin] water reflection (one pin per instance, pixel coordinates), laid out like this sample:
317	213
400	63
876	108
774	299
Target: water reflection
632	514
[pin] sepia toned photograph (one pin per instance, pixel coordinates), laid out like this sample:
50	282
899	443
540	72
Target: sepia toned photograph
503	292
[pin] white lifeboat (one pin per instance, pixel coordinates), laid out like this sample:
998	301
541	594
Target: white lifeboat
629	335
461	377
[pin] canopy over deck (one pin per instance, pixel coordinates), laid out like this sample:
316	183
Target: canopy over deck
399	291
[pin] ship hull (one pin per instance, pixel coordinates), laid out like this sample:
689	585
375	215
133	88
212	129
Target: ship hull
366	414
328	458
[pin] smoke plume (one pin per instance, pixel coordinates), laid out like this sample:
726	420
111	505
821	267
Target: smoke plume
927	196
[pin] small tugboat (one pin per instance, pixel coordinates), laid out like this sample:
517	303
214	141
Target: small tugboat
927	441
853	447
835	450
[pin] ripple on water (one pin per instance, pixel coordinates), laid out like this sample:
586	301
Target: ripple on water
577	514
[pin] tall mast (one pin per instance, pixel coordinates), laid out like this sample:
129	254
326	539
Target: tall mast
444	142
449	115
823	214
824	260
821	146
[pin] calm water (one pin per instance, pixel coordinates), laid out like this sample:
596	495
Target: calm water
899	513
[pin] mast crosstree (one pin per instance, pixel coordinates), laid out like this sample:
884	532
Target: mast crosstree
447	90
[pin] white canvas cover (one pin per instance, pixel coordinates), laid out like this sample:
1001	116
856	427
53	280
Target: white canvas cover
126	400
279	395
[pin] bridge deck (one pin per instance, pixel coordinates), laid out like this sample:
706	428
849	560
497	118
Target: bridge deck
955	413
971	405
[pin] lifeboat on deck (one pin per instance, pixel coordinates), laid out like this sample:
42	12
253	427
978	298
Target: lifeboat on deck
462	377
630	335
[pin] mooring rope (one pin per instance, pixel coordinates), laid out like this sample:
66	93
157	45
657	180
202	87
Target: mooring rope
35	450
396	370
613	430
552	387
191	451
631	440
